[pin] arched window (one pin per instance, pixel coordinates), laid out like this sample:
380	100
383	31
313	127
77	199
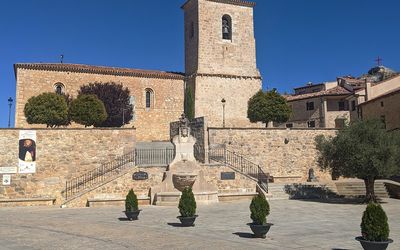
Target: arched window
226	27
59	88
149	99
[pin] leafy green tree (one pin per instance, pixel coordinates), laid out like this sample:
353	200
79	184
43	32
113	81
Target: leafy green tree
47	108
88	110
362	150
116	100
189	103
268	107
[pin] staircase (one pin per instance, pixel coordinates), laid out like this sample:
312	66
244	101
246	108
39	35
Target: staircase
110	171
356	188
240	164
277	191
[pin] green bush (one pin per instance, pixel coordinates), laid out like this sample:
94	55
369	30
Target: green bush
131	202
88	110
374	225
47	108
187	203
259	208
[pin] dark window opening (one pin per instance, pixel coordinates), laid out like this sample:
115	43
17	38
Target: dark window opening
226	27
353	105
382	104
191	30
149	98
59	88
310	105
383	120
289	125
311	124
342	106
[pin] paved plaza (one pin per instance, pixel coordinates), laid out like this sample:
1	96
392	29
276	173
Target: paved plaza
298	225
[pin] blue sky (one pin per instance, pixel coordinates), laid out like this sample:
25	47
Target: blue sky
297	40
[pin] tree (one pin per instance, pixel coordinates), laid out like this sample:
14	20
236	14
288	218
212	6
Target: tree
268	107
362	150
116	100
47	108
189	103
88	110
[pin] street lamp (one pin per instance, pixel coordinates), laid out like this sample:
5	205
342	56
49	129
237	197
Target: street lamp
223	101
10	101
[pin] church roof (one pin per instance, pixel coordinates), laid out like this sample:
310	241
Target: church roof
336	91
90	69
234	2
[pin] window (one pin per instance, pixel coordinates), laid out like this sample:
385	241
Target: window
383	119
382	104
342	106
289	125
59	88
226	27
353	105
311	124
310	105
149	99
191	29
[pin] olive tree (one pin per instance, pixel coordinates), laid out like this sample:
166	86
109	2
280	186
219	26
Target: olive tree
362	150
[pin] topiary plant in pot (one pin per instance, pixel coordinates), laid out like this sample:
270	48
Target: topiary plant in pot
131	206
187	208
374	228
259	209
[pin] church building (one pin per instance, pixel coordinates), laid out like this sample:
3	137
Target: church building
220	70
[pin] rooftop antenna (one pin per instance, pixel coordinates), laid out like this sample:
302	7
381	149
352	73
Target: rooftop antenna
62	58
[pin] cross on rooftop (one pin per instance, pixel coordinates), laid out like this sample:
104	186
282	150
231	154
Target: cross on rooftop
379	61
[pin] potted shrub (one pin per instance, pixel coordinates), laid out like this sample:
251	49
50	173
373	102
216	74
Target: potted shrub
187	208
259	209
374	228
131	206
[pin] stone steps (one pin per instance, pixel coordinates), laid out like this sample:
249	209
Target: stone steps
357	189
277	191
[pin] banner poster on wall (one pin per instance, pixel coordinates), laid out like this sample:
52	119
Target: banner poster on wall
27	152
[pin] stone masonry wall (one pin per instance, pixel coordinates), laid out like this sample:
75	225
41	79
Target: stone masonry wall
61	155
119	188
236	91
152	124
287	154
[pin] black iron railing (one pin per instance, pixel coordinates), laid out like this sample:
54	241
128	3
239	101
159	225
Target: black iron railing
241	164
154	157
138	157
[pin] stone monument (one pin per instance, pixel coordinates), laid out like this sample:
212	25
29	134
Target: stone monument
184	171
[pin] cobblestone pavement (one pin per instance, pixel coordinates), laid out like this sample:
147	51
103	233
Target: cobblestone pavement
298	225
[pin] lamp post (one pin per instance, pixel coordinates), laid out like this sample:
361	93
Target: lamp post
10	101
223	101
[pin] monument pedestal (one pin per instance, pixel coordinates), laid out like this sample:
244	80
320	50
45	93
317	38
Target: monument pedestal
182	173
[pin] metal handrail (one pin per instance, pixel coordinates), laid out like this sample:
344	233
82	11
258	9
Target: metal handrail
241	164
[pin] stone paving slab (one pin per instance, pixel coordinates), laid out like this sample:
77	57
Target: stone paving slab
297	225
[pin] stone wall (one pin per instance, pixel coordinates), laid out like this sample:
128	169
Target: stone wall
387	107
151	124
287	154
61	155
118	188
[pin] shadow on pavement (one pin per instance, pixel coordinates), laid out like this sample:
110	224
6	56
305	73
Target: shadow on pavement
174	224
244	235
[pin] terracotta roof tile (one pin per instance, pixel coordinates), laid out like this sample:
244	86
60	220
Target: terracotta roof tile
336	91
90	69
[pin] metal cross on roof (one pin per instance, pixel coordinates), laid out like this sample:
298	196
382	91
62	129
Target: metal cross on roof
379	61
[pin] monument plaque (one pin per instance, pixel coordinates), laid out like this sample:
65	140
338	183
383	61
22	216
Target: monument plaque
140	176
227	175
8	170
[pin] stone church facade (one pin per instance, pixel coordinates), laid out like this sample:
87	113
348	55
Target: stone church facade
220	64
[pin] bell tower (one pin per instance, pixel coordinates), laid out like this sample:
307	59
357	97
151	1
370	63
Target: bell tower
220	59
